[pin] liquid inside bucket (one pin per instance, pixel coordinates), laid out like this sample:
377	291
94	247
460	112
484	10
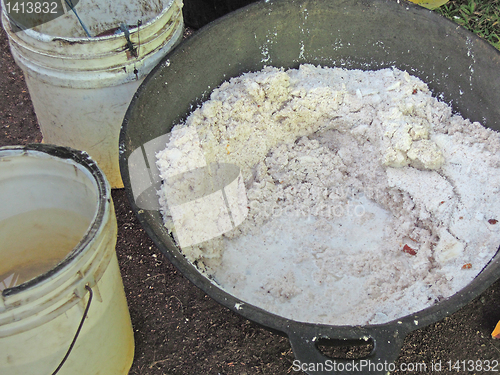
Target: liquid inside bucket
34	242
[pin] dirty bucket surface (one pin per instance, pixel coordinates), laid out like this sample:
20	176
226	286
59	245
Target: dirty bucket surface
81	84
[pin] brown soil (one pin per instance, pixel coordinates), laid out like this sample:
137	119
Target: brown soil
179	330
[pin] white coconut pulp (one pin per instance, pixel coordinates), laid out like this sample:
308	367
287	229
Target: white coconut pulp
367	198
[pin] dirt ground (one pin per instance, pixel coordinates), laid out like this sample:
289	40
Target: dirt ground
179	330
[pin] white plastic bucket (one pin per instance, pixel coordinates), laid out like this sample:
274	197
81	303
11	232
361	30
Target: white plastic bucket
53	195
81	86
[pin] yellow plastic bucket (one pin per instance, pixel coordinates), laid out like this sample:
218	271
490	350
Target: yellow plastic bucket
62	302
430	4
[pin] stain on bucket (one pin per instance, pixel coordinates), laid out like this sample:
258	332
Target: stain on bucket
58	267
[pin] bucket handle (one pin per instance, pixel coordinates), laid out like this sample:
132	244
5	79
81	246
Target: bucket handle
77	331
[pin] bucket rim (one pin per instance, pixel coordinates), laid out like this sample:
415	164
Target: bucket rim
42	37
103	192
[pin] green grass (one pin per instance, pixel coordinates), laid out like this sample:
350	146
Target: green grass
479	16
